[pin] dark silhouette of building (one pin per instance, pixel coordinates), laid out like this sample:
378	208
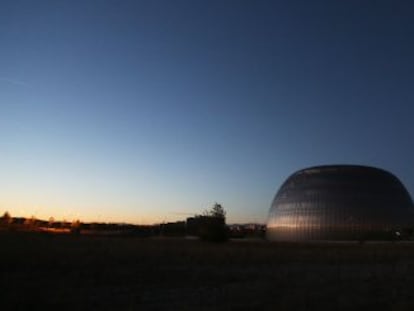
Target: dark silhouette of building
177	228
341	202
207	227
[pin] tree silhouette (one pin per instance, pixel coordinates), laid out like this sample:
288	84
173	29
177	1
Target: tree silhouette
213	224
218	211
75	227
51	222
6	219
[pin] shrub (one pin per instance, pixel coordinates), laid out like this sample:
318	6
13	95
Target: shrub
212	226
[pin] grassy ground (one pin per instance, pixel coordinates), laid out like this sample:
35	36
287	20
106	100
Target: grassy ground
79	273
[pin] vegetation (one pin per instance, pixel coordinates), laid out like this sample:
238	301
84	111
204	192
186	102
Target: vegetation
64	272
213	225
216	211
6	219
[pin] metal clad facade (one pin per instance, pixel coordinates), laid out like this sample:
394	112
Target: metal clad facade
340	202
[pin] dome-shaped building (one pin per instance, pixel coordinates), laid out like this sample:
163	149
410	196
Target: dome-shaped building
340	202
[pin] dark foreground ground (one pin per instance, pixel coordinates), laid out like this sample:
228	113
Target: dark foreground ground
96	273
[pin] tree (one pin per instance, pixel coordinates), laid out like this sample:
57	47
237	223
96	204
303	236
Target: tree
30	222
75	227
51	222
218	211
213	224
6	219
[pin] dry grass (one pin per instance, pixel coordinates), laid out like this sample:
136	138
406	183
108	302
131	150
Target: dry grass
79	273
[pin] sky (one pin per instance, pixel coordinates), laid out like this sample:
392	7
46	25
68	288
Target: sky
151	111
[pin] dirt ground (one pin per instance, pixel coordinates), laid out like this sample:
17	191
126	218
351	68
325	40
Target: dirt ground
39	271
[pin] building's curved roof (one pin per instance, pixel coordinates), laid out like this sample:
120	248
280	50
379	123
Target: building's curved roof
339	201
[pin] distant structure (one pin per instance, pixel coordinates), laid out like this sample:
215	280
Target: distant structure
341	202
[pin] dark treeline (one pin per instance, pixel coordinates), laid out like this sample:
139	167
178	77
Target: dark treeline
207	227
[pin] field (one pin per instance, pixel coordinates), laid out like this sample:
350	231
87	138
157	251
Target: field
40	271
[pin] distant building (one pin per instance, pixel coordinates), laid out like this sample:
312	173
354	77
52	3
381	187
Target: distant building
194	225
177	228
341	202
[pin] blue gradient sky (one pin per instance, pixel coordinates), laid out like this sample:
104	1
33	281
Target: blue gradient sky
142	111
